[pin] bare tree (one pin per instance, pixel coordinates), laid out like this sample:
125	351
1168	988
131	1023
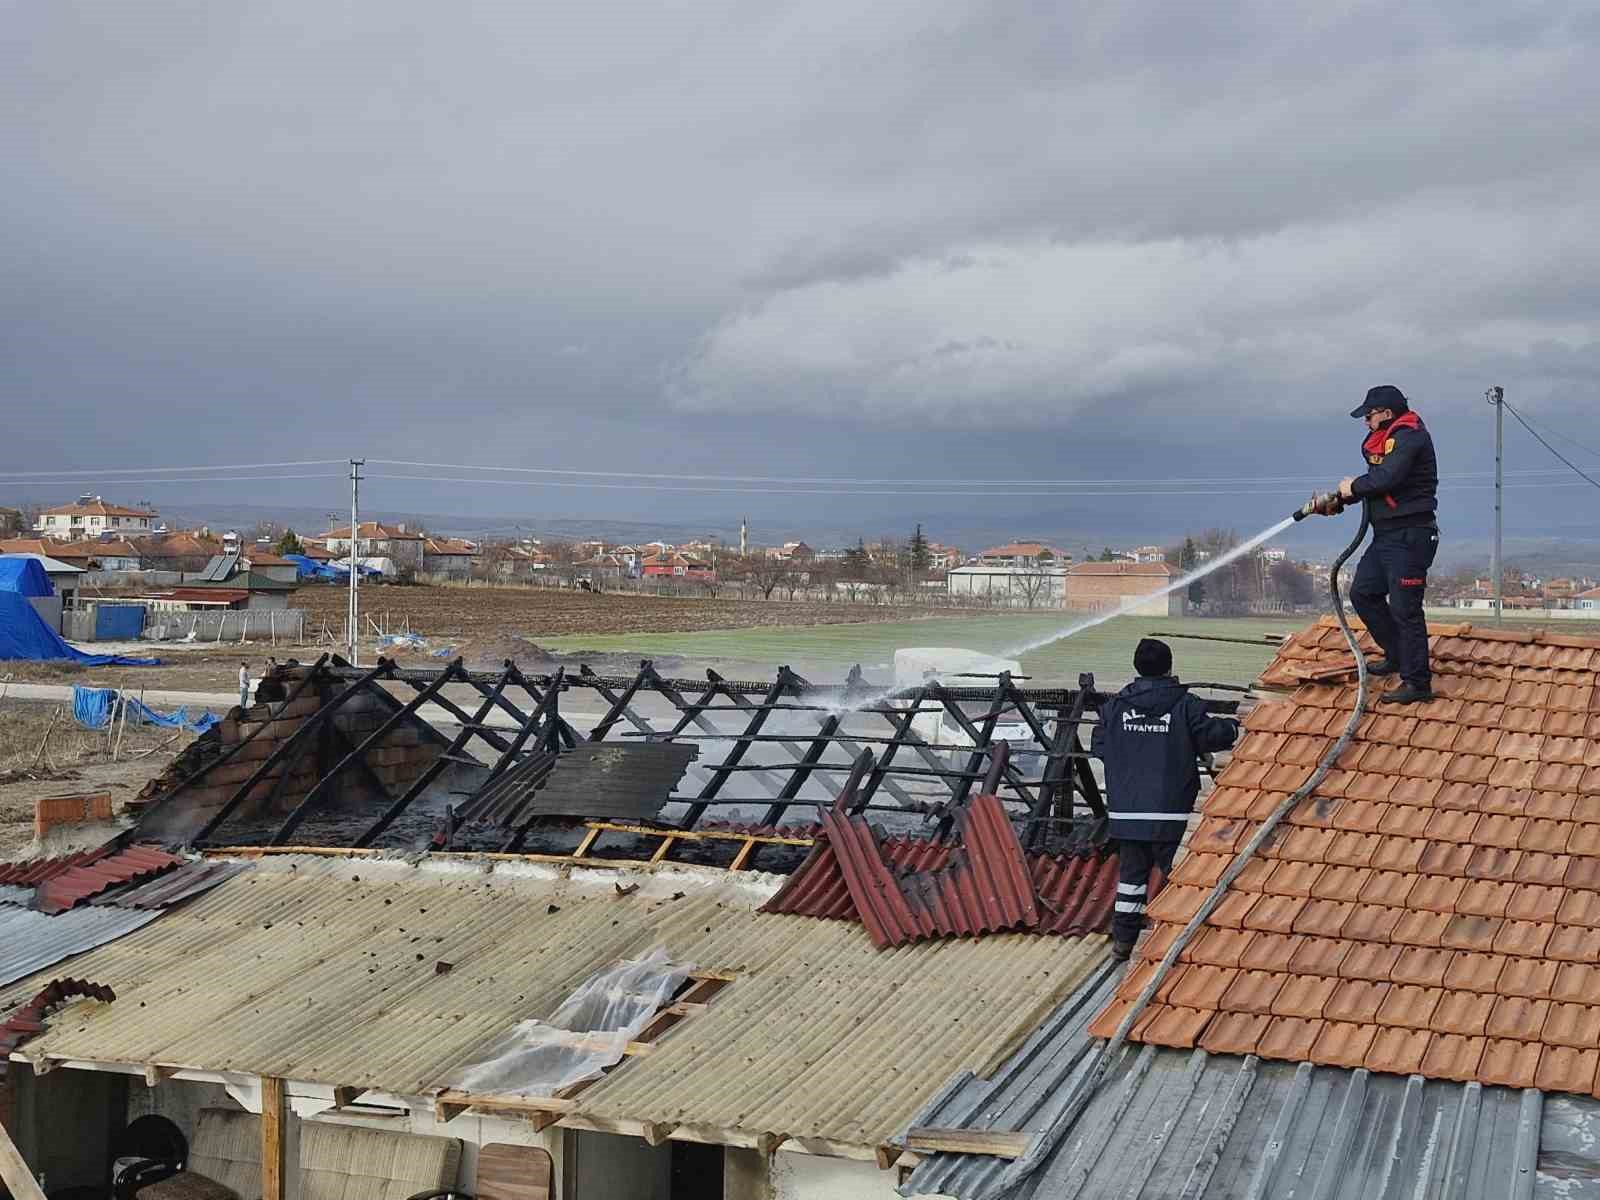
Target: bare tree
1033	586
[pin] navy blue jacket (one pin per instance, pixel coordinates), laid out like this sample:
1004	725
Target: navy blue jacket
1401	486
1150	735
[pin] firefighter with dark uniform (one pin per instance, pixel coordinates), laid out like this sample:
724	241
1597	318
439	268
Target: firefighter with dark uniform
1401	492
1150	736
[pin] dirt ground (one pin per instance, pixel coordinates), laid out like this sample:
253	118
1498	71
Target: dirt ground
73	759
483	625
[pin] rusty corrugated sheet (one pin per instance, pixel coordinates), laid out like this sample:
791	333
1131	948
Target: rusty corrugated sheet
35	871
984	887
1075	892
28	1021
180	883
78	883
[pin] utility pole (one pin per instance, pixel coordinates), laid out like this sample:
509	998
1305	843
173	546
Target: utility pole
354	625
1496	396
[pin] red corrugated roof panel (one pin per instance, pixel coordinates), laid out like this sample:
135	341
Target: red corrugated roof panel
78	883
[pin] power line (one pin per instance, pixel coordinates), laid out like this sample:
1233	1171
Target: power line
1557	433
838	482
165	479
310	462
1576	470
844	492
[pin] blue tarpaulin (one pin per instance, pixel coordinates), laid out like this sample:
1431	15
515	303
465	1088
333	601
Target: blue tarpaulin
118	622
24	635
92	709
310	568
24	576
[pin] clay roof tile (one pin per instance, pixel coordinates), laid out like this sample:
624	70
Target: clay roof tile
1517	719
1199	986
1580	907
1566	1069
1419	928
1369	961
1275	914
1548	869
1462	1012
1352	849
1436	893
1304	996
1534	977
1491	862
1398	1051
1372	923
1509	1063
1530	902
1446	858
1451	1056
1495	829
1398	854
1467	797
1289	1038
1564	750
1177	1027
1576	983
1253	991
1418	792
1234	1033
1388	887
1435	735
1525	747
1564	723
1217	947
1506	801
1473	972
1551	806
1485	898
1323	918
1521	938
1356	1000
1572	1025
1293	878
1409	1006
1341	1044
1447	826
1422	966
1318	956
1270	952
1404	820
1517	1017
1572	944
1513	773
1583	838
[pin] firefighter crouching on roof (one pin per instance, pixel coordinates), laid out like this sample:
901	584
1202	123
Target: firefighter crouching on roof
1150	736
1400	490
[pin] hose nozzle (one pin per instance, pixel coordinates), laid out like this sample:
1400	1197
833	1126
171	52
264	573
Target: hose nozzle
1321	504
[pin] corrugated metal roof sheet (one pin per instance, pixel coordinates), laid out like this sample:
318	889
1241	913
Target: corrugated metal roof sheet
32	941
1177	1123
325	970
1075	892
12	894
75	884
180	883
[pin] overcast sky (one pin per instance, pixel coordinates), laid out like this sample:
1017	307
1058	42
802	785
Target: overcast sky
922	240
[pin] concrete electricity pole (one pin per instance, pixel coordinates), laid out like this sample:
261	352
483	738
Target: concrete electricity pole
1496	396
354	625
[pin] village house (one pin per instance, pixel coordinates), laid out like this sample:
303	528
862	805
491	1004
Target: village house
398	543
90	517
452	558
1024	555
676	566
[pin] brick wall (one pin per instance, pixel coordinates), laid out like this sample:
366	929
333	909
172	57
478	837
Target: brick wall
397	761
51	811
1096	593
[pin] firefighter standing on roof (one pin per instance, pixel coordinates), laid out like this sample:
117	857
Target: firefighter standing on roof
1400	490
1150	735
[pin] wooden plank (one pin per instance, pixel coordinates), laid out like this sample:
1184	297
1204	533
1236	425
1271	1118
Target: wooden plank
514	1173
661	850
701	835
274	1165
997	1143
14	1172
589	839
343	1097
745	851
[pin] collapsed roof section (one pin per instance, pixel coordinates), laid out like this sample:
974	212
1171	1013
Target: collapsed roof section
345	757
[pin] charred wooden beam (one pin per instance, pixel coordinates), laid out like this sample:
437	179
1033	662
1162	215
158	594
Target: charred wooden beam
279	755
437	768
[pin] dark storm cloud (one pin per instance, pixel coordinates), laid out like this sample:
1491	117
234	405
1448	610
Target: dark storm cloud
816	239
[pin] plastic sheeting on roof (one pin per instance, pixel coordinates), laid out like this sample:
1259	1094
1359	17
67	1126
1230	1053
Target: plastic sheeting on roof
25	636
24	576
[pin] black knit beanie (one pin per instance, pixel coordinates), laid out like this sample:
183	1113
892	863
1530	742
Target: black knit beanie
1152	657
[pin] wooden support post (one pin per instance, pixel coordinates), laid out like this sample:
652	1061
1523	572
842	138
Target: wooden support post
14	1172
275	1165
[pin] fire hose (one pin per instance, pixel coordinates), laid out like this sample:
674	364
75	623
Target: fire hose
1326	505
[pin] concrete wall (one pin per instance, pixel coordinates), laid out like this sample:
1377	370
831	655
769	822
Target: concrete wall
65	1122
606	1166
49	609
283	624
798	1176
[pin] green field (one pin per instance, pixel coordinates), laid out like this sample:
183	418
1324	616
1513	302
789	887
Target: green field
826	652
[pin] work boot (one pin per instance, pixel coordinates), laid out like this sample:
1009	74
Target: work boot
1382	667
1407	693
1122	951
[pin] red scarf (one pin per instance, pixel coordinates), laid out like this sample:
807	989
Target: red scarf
1376	445
1378	437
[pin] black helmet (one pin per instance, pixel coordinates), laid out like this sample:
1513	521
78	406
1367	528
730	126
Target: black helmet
1385	395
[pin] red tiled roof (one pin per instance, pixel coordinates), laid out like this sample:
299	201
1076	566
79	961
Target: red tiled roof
31	546
1024	549
441	545
375	529
1434	906
94	508
66	551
